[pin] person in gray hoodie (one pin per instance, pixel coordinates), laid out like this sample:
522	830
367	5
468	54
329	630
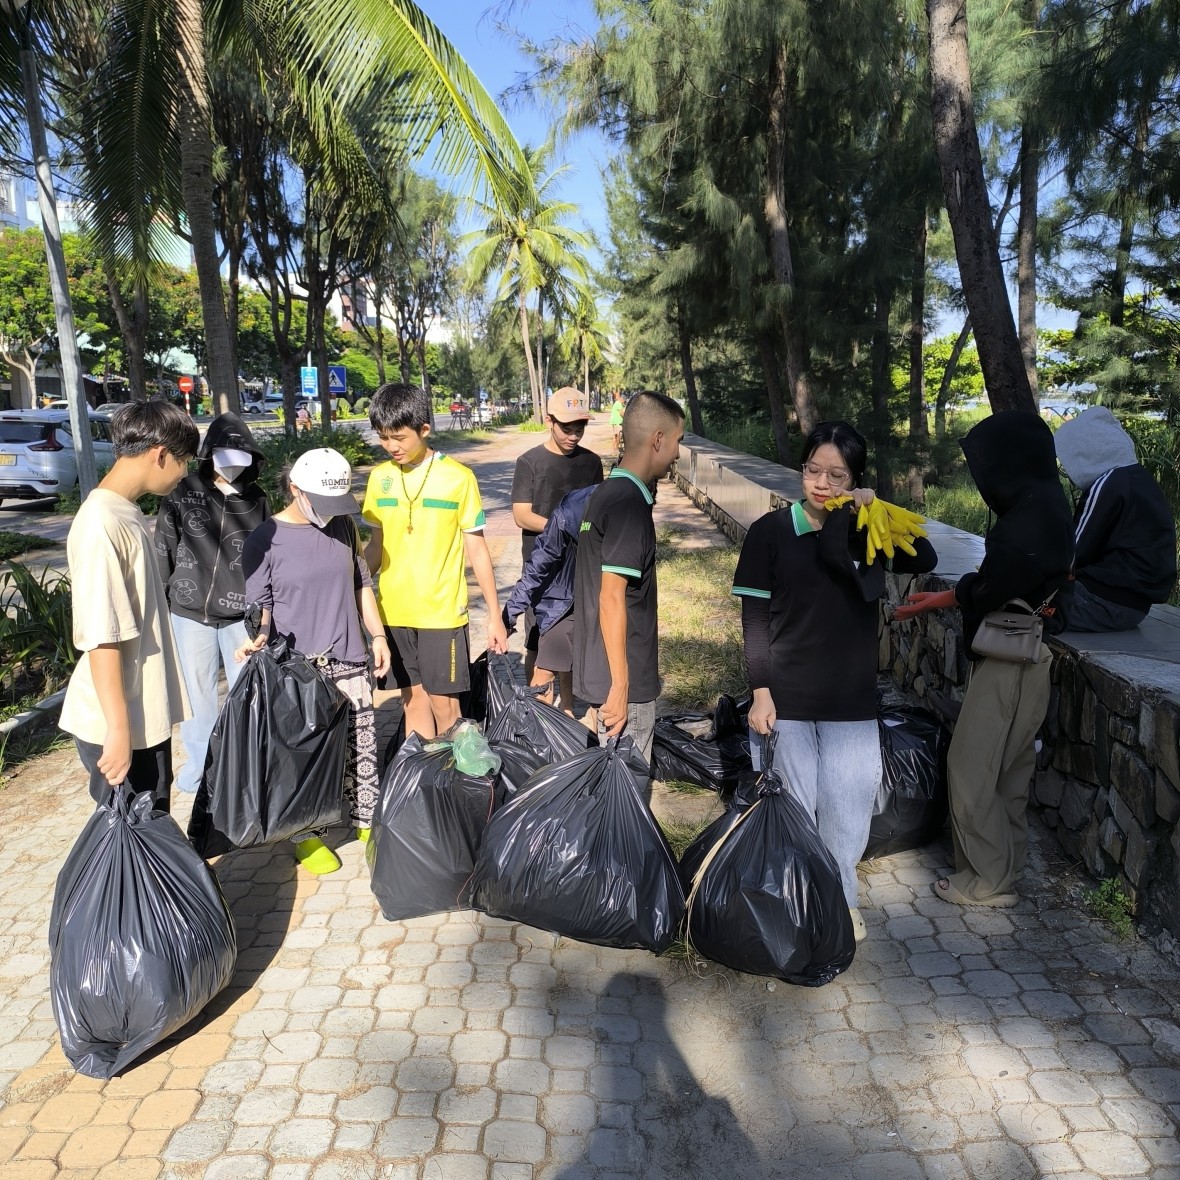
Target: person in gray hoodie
1124	531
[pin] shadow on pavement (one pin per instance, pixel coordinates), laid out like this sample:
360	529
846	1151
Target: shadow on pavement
655	1119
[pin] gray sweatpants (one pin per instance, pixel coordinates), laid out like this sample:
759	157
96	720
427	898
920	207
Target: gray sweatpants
834	769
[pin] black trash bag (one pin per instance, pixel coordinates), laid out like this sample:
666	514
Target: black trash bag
140	937
714	759
764	894
912	804
579	852
518	763
522	718
275	765
499	687
426	831
473	703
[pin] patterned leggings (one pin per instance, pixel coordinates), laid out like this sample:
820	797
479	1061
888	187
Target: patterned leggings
360	765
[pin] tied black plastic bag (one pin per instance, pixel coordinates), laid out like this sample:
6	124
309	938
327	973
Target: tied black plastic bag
427	829
712	755
911	805
275	766
523	719
473	703
140	937
764	892
579	852
518	764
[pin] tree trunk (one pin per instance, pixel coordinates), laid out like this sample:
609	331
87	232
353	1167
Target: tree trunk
948	375
1127	219
964	189
919	428
880	390
379	331
539	409
534	395
690	379
1026	250
196	177
775	207
133	329
775	394
422	365
586	373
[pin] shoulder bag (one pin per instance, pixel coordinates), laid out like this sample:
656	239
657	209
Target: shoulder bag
1012	634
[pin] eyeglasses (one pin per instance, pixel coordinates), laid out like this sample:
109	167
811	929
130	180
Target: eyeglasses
837	479
569	427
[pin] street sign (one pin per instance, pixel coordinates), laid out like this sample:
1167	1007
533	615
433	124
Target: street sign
185	384
308	380
483	395
337	380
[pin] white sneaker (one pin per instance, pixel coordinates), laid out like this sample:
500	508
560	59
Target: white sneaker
858	924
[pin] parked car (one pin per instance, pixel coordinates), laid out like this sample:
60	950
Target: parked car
257	404
37	452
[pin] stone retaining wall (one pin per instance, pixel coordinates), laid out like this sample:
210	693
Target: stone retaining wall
1108	762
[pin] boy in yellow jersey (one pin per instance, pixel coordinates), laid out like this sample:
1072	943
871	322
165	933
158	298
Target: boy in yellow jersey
427	519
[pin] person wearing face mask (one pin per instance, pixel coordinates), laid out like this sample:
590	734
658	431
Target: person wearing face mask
201	529
306	569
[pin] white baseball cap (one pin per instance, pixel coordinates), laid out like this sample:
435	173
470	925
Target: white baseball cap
325	478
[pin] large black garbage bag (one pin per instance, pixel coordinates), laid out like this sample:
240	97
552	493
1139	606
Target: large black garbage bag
518	763
275	766
911	805
473	704
427	828
764	894
578	852
715	758
140	937
551	734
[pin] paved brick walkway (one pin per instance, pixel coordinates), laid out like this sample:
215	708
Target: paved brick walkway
973	1044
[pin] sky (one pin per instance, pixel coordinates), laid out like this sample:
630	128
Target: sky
475	28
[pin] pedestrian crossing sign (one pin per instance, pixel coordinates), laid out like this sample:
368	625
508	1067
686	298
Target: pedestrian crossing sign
337	380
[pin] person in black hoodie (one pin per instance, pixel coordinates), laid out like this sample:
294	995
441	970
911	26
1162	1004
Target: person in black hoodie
200	530
1125	535
1027	554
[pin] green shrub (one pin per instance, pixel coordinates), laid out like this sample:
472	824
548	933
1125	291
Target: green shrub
531	426
36	630
13	544
751	437
67	503
1111	905
957	503
280	448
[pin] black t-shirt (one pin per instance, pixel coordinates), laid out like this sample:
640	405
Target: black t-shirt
541	479
617	536
811	614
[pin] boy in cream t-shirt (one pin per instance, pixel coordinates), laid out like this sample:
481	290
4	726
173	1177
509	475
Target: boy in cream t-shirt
127	692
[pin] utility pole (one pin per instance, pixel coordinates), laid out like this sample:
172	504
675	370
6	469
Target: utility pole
67	336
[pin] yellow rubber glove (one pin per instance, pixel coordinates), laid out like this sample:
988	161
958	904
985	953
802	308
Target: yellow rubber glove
837	502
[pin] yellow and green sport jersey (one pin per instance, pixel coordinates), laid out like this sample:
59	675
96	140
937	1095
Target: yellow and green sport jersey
422	515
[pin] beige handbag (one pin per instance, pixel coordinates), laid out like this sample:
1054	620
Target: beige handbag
1013	635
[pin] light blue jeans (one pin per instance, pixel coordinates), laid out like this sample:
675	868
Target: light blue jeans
834	769
203	651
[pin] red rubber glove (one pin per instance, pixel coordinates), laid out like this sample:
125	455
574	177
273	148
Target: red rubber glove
923	601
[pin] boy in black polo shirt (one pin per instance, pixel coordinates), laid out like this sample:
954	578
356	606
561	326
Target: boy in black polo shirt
616	645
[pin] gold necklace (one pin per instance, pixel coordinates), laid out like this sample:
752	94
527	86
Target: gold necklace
412	500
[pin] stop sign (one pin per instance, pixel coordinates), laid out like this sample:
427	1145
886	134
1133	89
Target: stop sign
185	384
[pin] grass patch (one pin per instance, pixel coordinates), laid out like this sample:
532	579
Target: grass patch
750	436
681	833
1111	905
957	503
532	426
679	787
700	623
14	544
26	745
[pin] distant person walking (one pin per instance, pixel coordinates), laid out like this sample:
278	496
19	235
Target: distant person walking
617	409
1124	532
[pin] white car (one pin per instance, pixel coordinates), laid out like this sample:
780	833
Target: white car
37	452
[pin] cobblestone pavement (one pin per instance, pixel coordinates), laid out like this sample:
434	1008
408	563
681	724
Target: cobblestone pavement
977	1044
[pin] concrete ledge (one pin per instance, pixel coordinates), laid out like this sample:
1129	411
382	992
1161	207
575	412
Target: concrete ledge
1108	760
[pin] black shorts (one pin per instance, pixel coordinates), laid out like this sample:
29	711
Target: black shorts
532	633
556	650
436	659
151	771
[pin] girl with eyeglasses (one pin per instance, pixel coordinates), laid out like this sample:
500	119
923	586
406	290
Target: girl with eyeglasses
810	631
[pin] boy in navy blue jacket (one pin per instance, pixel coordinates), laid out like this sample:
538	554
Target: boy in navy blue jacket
546	587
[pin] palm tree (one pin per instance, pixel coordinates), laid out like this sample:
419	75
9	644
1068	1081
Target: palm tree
151	110
586	335
534	253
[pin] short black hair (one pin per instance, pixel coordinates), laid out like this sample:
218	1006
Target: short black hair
846	439
139	426
646	412
396	406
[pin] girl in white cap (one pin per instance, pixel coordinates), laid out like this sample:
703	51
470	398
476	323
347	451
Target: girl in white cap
305	567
